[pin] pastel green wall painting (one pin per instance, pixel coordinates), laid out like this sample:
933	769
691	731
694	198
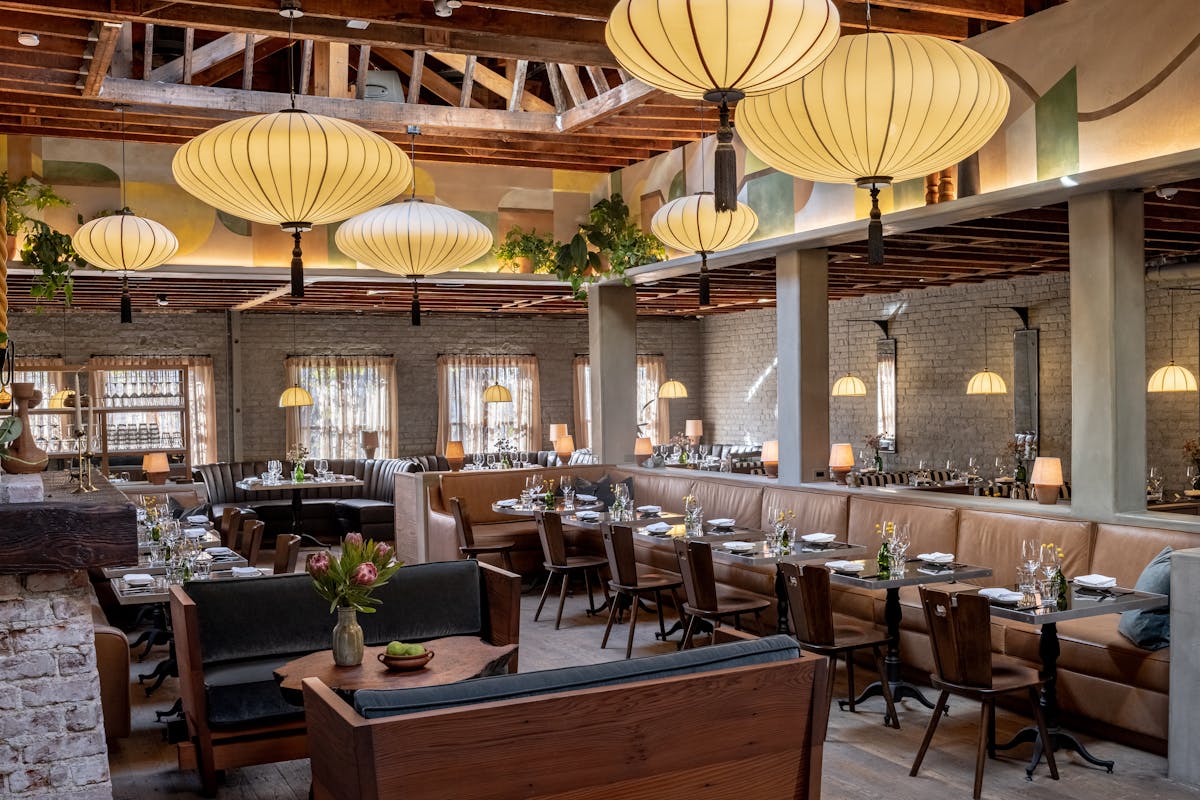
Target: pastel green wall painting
1057	126
78	173
678	186
772	198
234	224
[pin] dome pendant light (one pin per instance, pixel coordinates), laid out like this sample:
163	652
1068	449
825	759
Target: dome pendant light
882	108
414	238
986	382
295	396
292	168
849	385
124	241
722	52
1172	377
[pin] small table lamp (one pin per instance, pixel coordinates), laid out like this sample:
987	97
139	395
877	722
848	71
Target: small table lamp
369	441
557	431
564	446
841	461
156	467
1047	478
694	430
642	449
455	456
770	457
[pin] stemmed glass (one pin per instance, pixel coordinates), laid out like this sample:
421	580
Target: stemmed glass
898	548
1031	554
1155	485
477	460
275	469
1051	564
322	468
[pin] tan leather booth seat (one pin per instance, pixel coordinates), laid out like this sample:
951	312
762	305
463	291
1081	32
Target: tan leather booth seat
663	488
932	528
1123	551
816	512
994	539
741	503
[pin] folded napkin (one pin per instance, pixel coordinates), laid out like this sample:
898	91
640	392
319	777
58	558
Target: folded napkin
587	498
507	503
738	546
658	527
818	538
936	557
1001	595
587	514
197	519
649	509
252	481
845	566
219	551
194	533
138	579
1095	581
722	522
245	572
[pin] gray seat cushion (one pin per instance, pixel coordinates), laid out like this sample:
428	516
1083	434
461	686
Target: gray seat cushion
362	510
246	692
390	702
1151	629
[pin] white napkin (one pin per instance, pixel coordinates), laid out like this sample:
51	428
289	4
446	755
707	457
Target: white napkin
818	538
845	566
1095	581
252	481
738	546
722	522
245	572
219	551
1001	594
587	514
138	579
649	509
658	527
198	519
507	503
936	557
587	498
194	533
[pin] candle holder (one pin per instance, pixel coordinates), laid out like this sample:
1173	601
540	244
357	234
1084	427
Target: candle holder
82	472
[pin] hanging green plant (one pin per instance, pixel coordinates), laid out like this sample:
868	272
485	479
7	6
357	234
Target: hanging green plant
44	247
527	251
610	230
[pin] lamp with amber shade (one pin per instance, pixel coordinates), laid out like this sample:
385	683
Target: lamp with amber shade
455	456
694	430
369	441
1047	479
156	467
841	461
643	449
564	446
770	457
557	431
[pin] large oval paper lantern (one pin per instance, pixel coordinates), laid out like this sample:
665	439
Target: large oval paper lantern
694	225
125	242
882	107
721	51
414	239
292	169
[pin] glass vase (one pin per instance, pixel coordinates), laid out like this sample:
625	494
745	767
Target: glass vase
347	638
298	472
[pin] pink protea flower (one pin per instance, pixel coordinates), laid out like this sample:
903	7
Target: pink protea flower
383	552
366	574
318	564
354	538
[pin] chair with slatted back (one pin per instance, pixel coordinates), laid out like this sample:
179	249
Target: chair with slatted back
706	600
466	536
630	581
557	562
249	540
287	553
960	633
810	604
231	526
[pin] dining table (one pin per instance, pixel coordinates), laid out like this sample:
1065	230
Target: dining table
1078	602
297	489
916	572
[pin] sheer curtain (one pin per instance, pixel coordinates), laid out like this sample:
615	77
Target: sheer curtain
351	394
652	372
201	396
462	414
42	374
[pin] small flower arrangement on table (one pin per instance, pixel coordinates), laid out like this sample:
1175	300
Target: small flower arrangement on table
874	441
347	581
507	449
297	454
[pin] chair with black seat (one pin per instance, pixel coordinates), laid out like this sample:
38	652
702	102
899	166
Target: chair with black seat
287	553
466	536
705	600
630	581
557	562
230	527
810	604
960	633
249	540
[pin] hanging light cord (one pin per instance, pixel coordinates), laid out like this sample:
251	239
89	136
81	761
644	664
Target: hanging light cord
124	202
412	157
1171	298
291	64
868	16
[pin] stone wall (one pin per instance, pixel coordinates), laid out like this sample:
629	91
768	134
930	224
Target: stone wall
51	728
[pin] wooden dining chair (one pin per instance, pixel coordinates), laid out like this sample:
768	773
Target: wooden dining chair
249	540
810	605
706	600
466	536
287	553
960	633
557	562
630	582
230	527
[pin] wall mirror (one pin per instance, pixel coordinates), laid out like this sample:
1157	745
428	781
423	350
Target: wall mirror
885	402
1025	381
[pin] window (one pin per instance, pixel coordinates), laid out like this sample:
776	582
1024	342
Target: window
653	415
464	417
350	395
885	404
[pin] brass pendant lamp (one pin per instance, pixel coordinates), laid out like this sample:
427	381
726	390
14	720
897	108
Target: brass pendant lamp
883	107
721	51
124	241
414	239
292	168
1172	377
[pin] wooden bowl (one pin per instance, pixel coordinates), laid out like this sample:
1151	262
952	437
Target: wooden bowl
406	663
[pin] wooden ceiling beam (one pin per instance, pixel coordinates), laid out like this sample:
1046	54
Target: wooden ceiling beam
991	10
68	62
229	46
493	81
20	17
596	10
854	16
430	80
603	106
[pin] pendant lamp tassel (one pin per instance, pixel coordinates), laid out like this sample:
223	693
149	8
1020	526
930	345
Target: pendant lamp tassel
725	177
297	267
875	230
126	301
705	297
416	305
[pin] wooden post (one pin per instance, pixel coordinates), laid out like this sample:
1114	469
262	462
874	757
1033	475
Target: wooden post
931	189
945	189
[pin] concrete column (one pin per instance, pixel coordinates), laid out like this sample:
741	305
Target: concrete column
1108	354
1183	737
612	348
234	343
802	336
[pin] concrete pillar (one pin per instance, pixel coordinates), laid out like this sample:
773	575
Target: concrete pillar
612	348
1183	737
234	382
802	336
1108	354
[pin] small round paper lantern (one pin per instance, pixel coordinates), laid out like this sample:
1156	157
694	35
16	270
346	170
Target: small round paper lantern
1172	378
694	225
124	241
295	397
986	382
849	386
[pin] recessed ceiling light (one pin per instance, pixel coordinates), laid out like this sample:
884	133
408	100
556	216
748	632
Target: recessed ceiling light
373	292
358	24
764	299
29	39
1067	180
290	9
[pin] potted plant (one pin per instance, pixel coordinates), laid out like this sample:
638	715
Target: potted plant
607	245
44	247
347	582
527	251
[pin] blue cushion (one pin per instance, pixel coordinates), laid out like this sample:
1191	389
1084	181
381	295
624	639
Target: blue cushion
246	692
1151	629
390	702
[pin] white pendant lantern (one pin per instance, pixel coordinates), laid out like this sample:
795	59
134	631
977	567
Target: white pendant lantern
295	397
986	382
694	225
672	390
497	394
1172	377
849	386
883	107
721	51
124	241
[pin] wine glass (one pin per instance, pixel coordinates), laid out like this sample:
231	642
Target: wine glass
1031	554
322	467
1051	564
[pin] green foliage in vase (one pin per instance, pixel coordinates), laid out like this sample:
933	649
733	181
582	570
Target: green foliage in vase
539	248
611	231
